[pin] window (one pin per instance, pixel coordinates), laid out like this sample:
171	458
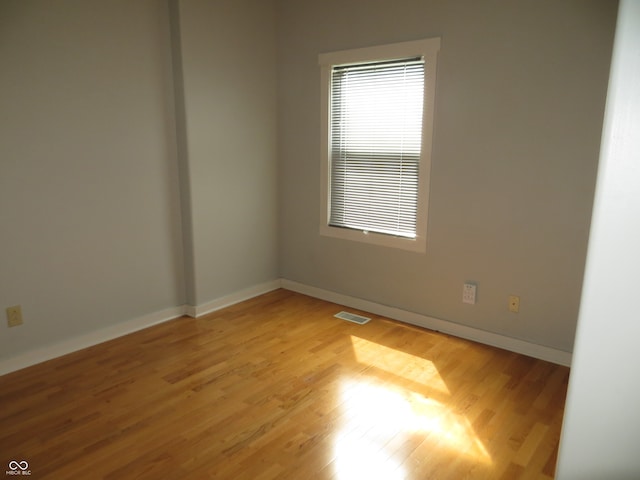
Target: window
377	118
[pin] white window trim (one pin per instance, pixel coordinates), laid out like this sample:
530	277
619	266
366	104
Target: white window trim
427	48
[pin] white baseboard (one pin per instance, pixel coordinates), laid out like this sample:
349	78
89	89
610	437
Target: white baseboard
65	347
88	340
232	298
99	336
507	343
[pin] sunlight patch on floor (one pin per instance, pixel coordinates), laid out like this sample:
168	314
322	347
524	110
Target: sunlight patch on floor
358	456
380	420
410	367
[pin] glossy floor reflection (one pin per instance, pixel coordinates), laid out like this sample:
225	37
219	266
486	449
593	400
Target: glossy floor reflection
278	388
381	418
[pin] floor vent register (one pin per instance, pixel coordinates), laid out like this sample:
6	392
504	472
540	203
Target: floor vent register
352	317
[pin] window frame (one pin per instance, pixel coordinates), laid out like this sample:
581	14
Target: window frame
426	48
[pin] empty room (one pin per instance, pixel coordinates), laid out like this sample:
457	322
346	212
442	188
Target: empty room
295	239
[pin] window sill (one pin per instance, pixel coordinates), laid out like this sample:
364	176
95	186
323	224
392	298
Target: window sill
417	244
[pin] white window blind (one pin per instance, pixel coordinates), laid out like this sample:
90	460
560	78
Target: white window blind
376	112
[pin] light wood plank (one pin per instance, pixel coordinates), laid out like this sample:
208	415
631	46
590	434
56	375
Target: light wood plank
276	387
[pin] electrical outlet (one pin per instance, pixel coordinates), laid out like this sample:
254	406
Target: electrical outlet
469	293
14	316
514	303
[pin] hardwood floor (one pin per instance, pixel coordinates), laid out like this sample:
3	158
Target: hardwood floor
276	387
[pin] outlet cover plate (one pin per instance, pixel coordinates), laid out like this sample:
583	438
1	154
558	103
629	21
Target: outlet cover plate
514	303
469	293
14	316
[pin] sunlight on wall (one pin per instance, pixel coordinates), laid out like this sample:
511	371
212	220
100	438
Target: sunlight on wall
381	419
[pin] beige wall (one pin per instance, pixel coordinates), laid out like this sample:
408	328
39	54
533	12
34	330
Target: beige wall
99	203
152	152
88	191
229	78
519	107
